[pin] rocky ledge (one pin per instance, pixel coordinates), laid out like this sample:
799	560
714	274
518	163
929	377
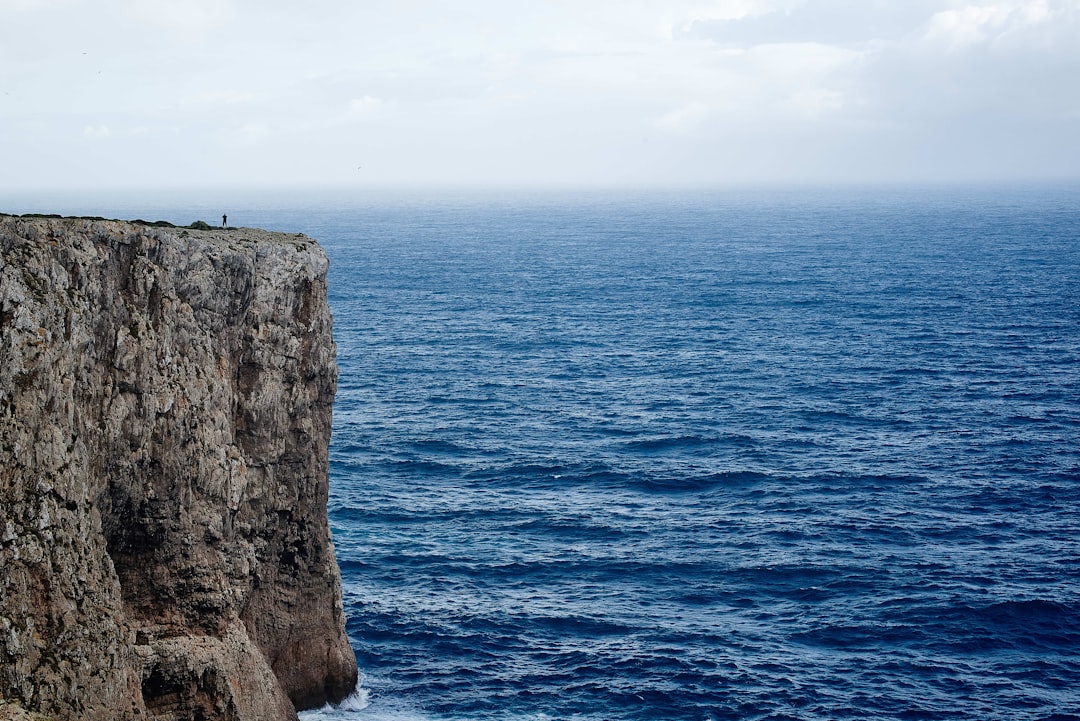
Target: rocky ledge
165	409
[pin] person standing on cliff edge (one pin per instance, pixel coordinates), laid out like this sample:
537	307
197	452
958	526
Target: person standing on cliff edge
224	221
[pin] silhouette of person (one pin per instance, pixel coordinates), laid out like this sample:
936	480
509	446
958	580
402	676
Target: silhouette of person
224	221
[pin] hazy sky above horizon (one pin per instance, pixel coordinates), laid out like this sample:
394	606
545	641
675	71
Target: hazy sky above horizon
209	93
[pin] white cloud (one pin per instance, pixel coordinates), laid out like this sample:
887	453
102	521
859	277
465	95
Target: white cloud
365	107
96	132
967	26
244	134
815	102
187	18
699	12
560	88
960	28
219	97
33	5
683	119
795	62
255	132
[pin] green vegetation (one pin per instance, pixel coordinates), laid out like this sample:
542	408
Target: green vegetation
197	225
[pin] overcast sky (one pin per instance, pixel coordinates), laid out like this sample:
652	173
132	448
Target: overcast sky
253	93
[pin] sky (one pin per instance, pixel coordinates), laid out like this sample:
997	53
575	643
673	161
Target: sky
160	94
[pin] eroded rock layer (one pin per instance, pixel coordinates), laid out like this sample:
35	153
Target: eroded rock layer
165	409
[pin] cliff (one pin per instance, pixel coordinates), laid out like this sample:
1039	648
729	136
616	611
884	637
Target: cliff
165	410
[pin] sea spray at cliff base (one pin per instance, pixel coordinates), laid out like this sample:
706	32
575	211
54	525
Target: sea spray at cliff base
728	455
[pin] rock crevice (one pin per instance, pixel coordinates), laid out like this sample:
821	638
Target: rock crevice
165	410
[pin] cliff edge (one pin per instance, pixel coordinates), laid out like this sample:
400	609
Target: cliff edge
165	411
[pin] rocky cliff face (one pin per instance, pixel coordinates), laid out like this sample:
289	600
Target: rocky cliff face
165	409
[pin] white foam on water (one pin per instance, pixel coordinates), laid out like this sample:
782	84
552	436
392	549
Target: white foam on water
360	706
354	703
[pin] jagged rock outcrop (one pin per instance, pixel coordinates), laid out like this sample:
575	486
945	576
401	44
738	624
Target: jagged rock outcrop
165	409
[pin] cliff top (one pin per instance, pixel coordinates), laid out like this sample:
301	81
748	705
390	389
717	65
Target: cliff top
198	228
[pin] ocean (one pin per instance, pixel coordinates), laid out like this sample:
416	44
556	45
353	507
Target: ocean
771	454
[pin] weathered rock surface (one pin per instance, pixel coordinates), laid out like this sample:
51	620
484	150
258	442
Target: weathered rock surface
165	409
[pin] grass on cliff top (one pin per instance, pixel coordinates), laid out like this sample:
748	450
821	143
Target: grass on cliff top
195	225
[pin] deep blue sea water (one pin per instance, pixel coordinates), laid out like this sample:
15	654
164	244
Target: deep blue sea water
731	455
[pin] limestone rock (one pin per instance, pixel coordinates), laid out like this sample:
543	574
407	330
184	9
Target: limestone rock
165	409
